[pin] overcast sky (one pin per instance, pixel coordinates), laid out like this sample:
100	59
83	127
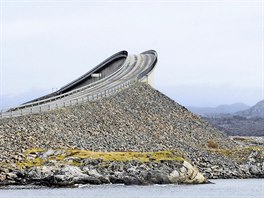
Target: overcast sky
209	53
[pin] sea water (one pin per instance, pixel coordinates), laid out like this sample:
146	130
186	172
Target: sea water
229	188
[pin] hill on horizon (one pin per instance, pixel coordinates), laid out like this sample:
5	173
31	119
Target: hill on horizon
255	111
220	109
249	122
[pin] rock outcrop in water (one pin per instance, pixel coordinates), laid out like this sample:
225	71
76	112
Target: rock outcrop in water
137	119
70	167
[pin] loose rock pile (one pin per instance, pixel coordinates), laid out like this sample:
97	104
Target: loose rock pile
137	119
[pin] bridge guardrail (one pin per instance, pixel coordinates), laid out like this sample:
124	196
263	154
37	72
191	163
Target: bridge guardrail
85	98
153	64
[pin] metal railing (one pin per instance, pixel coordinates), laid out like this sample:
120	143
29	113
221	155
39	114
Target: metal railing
77	101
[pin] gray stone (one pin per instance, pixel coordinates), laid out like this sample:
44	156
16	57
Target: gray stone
47	154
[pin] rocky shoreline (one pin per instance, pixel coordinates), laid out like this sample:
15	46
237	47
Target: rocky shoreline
67	168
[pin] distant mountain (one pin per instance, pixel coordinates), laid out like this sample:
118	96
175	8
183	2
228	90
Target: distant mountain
237	125
221	109
256	111
249	122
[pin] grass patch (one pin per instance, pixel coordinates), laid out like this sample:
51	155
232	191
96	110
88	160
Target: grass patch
241	139
73	157
33	151
125	156
30	163
212	144
239	154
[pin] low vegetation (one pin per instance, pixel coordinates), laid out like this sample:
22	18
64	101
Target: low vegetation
239	154
34	157
212	144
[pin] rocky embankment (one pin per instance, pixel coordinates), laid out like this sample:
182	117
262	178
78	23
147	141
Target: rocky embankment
238	162
71	167
139	119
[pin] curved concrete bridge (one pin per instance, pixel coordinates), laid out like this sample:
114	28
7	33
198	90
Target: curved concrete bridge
113	75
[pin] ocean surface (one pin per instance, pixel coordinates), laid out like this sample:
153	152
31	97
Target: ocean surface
221	189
